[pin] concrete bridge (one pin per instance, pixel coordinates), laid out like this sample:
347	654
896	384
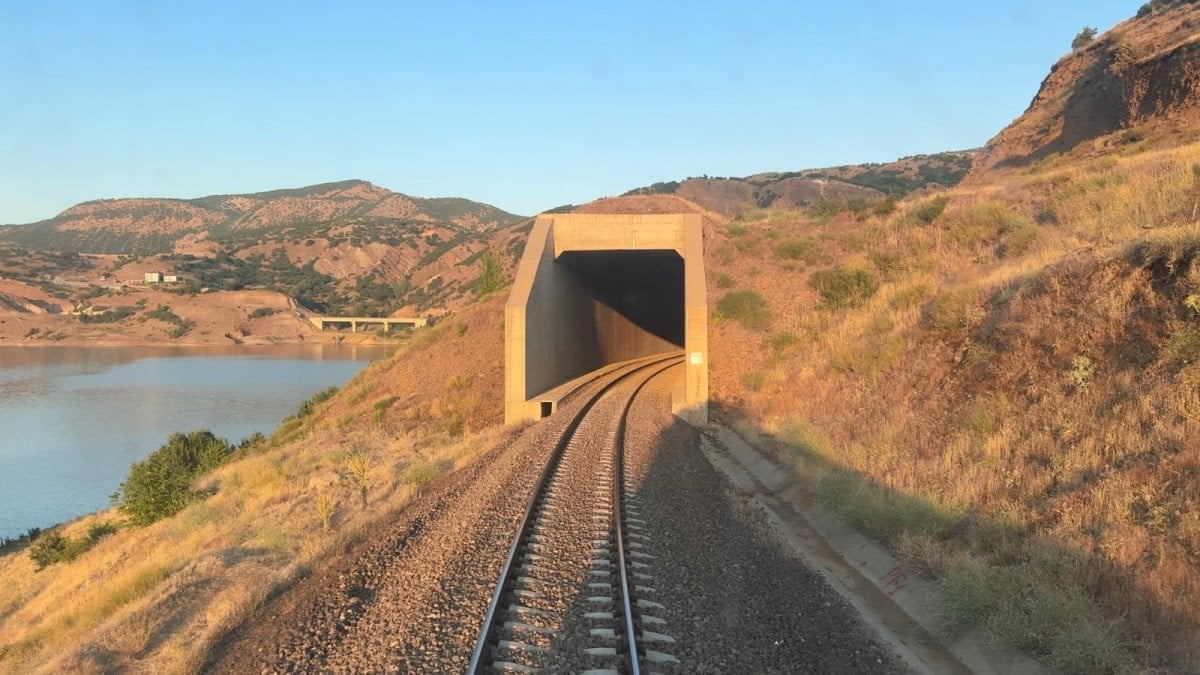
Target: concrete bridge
320	322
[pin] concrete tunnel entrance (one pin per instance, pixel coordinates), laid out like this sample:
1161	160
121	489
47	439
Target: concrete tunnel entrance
593	290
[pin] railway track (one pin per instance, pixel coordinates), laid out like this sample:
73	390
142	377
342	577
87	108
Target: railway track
567	597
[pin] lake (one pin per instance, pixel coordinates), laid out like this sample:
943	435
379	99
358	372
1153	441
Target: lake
72	419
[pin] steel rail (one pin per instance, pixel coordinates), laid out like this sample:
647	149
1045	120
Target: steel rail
489	627
631	641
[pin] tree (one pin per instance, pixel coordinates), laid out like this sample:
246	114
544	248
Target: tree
491	279
161	484
1084	38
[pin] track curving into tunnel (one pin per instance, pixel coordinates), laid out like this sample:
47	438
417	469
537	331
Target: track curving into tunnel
707	587
566	596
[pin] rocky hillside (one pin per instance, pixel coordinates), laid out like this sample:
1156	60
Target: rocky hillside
344	210
1135	87
347	247
798	189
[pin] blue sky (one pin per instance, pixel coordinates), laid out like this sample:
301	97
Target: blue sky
522	105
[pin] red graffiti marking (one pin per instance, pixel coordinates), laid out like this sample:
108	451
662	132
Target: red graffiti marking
894	581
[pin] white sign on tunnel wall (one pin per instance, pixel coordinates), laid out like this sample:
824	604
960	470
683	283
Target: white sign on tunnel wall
697	358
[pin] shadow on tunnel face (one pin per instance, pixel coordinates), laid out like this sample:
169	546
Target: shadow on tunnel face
644	287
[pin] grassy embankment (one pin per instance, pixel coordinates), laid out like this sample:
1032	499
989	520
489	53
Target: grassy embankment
156	598
1003	383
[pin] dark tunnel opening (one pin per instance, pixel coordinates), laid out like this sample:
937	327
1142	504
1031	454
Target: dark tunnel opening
644	287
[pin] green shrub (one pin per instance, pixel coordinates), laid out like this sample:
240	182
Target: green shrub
954	310
263	311
885	207
109	315
380	407
161	484
1084	37
421	472
929	210
165	314
723	281
842	287
753	380
1020	239
1182	344
49	548
782	340
52	547
308	407
747	308
491	276
991	221
908	297
890	264
736	229
796	248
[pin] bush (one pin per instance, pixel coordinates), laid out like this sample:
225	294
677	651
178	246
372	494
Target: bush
308	407
928	211
263	311
109	315
841	287
161	484
165	314
1084	37
8	544
747	308
420	473
491	277
52	547
781	341
803	249
753	380
954	310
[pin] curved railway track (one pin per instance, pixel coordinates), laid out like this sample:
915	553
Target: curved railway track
566	598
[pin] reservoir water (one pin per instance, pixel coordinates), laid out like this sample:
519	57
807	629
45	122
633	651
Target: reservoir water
72	419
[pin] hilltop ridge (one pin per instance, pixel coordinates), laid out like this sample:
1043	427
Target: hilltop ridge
793	190
148	226
1135	87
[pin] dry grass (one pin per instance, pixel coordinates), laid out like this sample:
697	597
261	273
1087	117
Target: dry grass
1015	410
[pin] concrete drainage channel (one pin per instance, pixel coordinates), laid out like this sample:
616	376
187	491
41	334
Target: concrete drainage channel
571	595
897	605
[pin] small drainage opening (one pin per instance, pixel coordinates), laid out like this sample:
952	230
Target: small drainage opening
547	408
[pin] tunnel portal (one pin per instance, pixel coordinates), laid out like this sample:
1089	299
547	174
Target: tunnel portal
594	290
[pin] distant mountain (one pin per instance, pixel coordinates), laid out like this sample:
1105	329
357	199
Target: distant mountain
796	189
346	246
156	226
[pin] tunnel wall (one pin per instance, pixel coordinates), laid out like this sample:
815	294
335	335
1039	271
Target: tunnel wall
620	339
556	330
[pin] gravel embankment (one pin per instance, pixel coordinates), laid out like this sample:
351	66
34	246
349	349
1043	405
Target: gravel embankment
412	598
715	587
734	599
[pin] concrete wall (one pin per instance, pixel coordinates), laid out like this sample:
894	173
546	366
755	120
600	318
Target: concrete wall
561	323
